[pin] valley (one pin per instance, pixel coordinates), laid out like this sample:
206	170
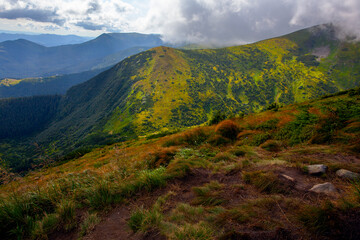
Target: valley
256	141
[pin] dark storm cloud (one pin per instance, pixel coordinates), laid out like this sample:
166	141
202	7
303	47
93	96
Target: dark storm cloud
94	7
91	26
38	15
230	22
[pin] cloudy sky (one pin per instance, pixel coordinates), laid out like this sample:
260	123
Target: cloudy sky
220	22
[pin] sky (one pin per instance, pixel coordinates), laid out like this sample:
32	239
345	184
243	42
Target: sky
213	22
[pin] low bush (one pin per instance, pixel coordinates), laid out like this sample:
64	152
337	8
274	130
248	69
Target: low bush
239	152
268	125
258	139
223	156
217	117
195	136
228	129
218	140
160	157
272	145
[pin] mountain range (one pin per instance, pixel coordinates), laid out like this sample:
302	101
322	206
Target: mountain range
164	89
47	40
23	59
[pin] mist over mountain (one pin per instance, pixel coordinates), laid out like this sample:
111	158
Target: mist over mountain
47	40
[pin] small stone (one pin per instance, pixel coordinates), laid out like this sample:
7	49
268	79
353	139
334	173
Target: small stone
317	169
288	177
326	188
343	173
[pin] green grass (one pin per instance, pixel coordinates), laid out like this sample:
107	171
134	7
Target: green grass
208	195
89	223
266	182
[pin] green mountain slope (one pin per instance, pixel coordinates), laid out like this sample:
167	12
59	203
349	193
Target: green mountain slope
165	88
168	88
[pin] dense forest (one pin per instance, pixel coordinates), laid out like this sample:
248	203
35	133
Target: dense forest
27	115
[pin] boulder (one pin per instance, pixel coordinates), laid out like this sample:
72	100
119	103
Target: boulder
327	188
316	169
343	173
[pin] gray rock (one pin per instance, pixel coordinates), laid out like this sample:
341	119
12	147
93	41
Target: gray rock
343	173
327	188
317	169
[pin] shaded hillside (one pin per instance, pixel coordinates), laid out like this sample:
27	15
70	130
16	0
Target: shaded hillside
24	116
22	58
242	178
43	86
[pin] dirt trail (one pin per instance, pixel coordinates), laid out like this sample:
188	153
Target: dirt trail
114	225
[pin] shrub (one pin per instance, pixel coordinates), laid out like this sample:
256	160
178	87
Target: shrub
194	137
218	117
271	146
228	129
218	140
160	157
274	106
223	156
259	139
268	125
300	130
239	152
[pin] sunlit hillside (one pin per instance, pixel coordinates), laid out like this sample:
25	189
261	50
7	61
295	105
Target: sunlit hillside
250	177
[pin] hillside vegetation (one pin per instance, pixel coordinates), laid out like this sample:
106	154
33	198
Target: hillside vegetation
241	178
165	89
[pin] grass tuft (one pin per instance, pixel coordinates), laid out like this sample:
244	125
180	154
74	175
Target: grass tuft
228	129
209	194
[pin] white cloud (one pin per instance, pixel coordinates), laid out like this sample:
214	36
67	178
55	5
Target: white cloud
105	15
344	13
225	22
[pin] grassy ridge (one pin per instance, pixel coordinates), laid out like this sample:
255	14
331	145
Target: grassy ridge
46	201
